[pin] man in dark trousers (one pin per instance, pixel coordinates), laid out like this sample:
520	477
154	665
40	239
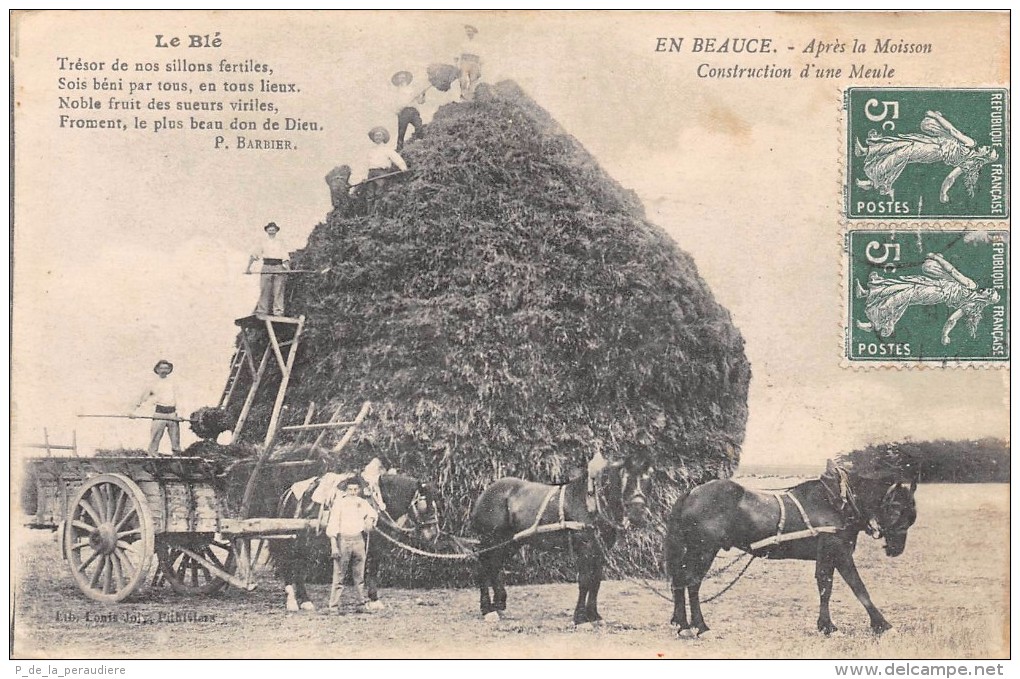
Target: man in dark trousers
272	283
405	103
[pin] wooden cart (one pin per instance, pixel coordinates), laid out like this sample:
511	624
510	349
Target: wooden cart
115	514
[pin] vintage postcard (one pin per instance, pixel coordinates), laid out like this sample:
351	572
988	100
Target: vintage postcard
494	334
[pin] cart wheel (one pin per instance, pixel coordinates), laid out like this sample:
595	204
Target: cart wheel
108	538
187	576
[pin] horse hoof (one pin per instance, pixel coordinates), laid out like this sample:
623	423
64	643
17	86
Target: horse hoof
685	633
375	605
584	626
491	616
307	606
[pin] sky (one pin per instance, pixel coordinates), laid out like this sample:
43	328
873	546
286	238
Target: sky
130	247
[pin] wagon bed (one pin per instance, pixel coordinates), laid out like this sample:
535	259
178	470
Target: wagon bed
115	513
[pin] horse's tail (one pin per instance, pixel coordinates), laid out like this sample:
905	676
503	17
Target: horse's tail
675	554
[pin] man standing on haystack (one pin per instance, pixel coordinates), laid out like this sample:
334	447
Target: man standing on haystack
272	282
381	161
470	62
406	105
163	391
350	521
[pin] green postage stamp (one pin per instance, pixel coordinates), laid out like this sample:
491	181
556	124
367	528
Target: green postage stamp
928	296
922	153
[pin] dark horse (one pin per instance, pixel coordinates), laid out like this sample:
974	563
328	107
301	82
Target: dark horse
511	511
826	514
410	508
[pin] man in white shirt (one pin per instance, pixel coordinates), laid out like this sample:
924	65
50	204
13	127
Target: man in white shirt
163	391
470	62
272	283
405	102
351	518
380	160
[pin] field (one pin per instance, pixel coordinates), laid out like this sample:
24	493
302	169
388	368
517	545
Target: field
947	596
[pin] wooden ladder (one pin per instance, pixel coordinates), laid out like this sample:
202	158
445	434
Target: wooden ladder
241	359
282	351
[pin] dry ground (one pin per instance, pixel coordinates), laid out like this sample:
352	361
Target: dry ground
947	596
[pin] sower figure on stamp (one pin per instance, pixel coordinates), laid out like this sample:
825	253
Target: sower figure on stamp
351	519
889	297
272	283
470	62
885	157
163	391
405	103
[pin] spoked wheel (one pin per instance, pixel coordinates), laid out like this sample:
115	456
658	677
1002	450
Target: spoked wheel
109	538
187	575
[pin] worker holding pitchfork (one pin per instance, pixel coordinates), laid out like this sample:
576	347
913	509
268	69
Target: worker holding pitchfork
275	261
163	391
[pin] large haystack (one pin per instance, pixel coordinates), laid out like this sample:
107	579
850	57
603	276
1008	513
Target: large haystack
509	311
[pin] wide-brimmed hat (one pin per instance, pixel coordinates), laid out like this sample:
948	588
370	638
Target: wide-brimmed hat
271	225
406	75
160	362
380	128
469	27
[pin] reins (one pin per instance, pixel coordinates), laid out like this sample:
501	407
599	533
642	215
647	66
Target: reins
734	581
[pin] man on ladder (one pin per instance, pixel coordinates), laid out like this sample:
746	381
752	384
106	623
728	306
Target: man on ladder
275	260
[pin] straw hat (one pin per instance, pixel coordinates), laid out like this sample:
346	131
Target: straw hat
379	128
160	362
270	225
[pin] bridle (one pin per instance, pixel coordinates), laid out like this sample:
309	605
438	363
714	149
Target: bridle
414	519
638	496
903	522
870	524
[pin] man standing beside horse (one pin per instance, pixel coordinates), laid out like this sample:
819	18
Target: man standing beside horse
351	519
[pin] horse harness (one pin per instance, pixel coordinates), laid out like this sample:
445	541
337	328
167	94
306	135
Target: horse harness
842	497
809	531
307	488
538	527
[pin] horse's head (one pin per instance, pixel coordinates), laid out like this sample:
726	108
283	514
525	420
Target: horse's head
630	481
412	504
425	510
896	514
